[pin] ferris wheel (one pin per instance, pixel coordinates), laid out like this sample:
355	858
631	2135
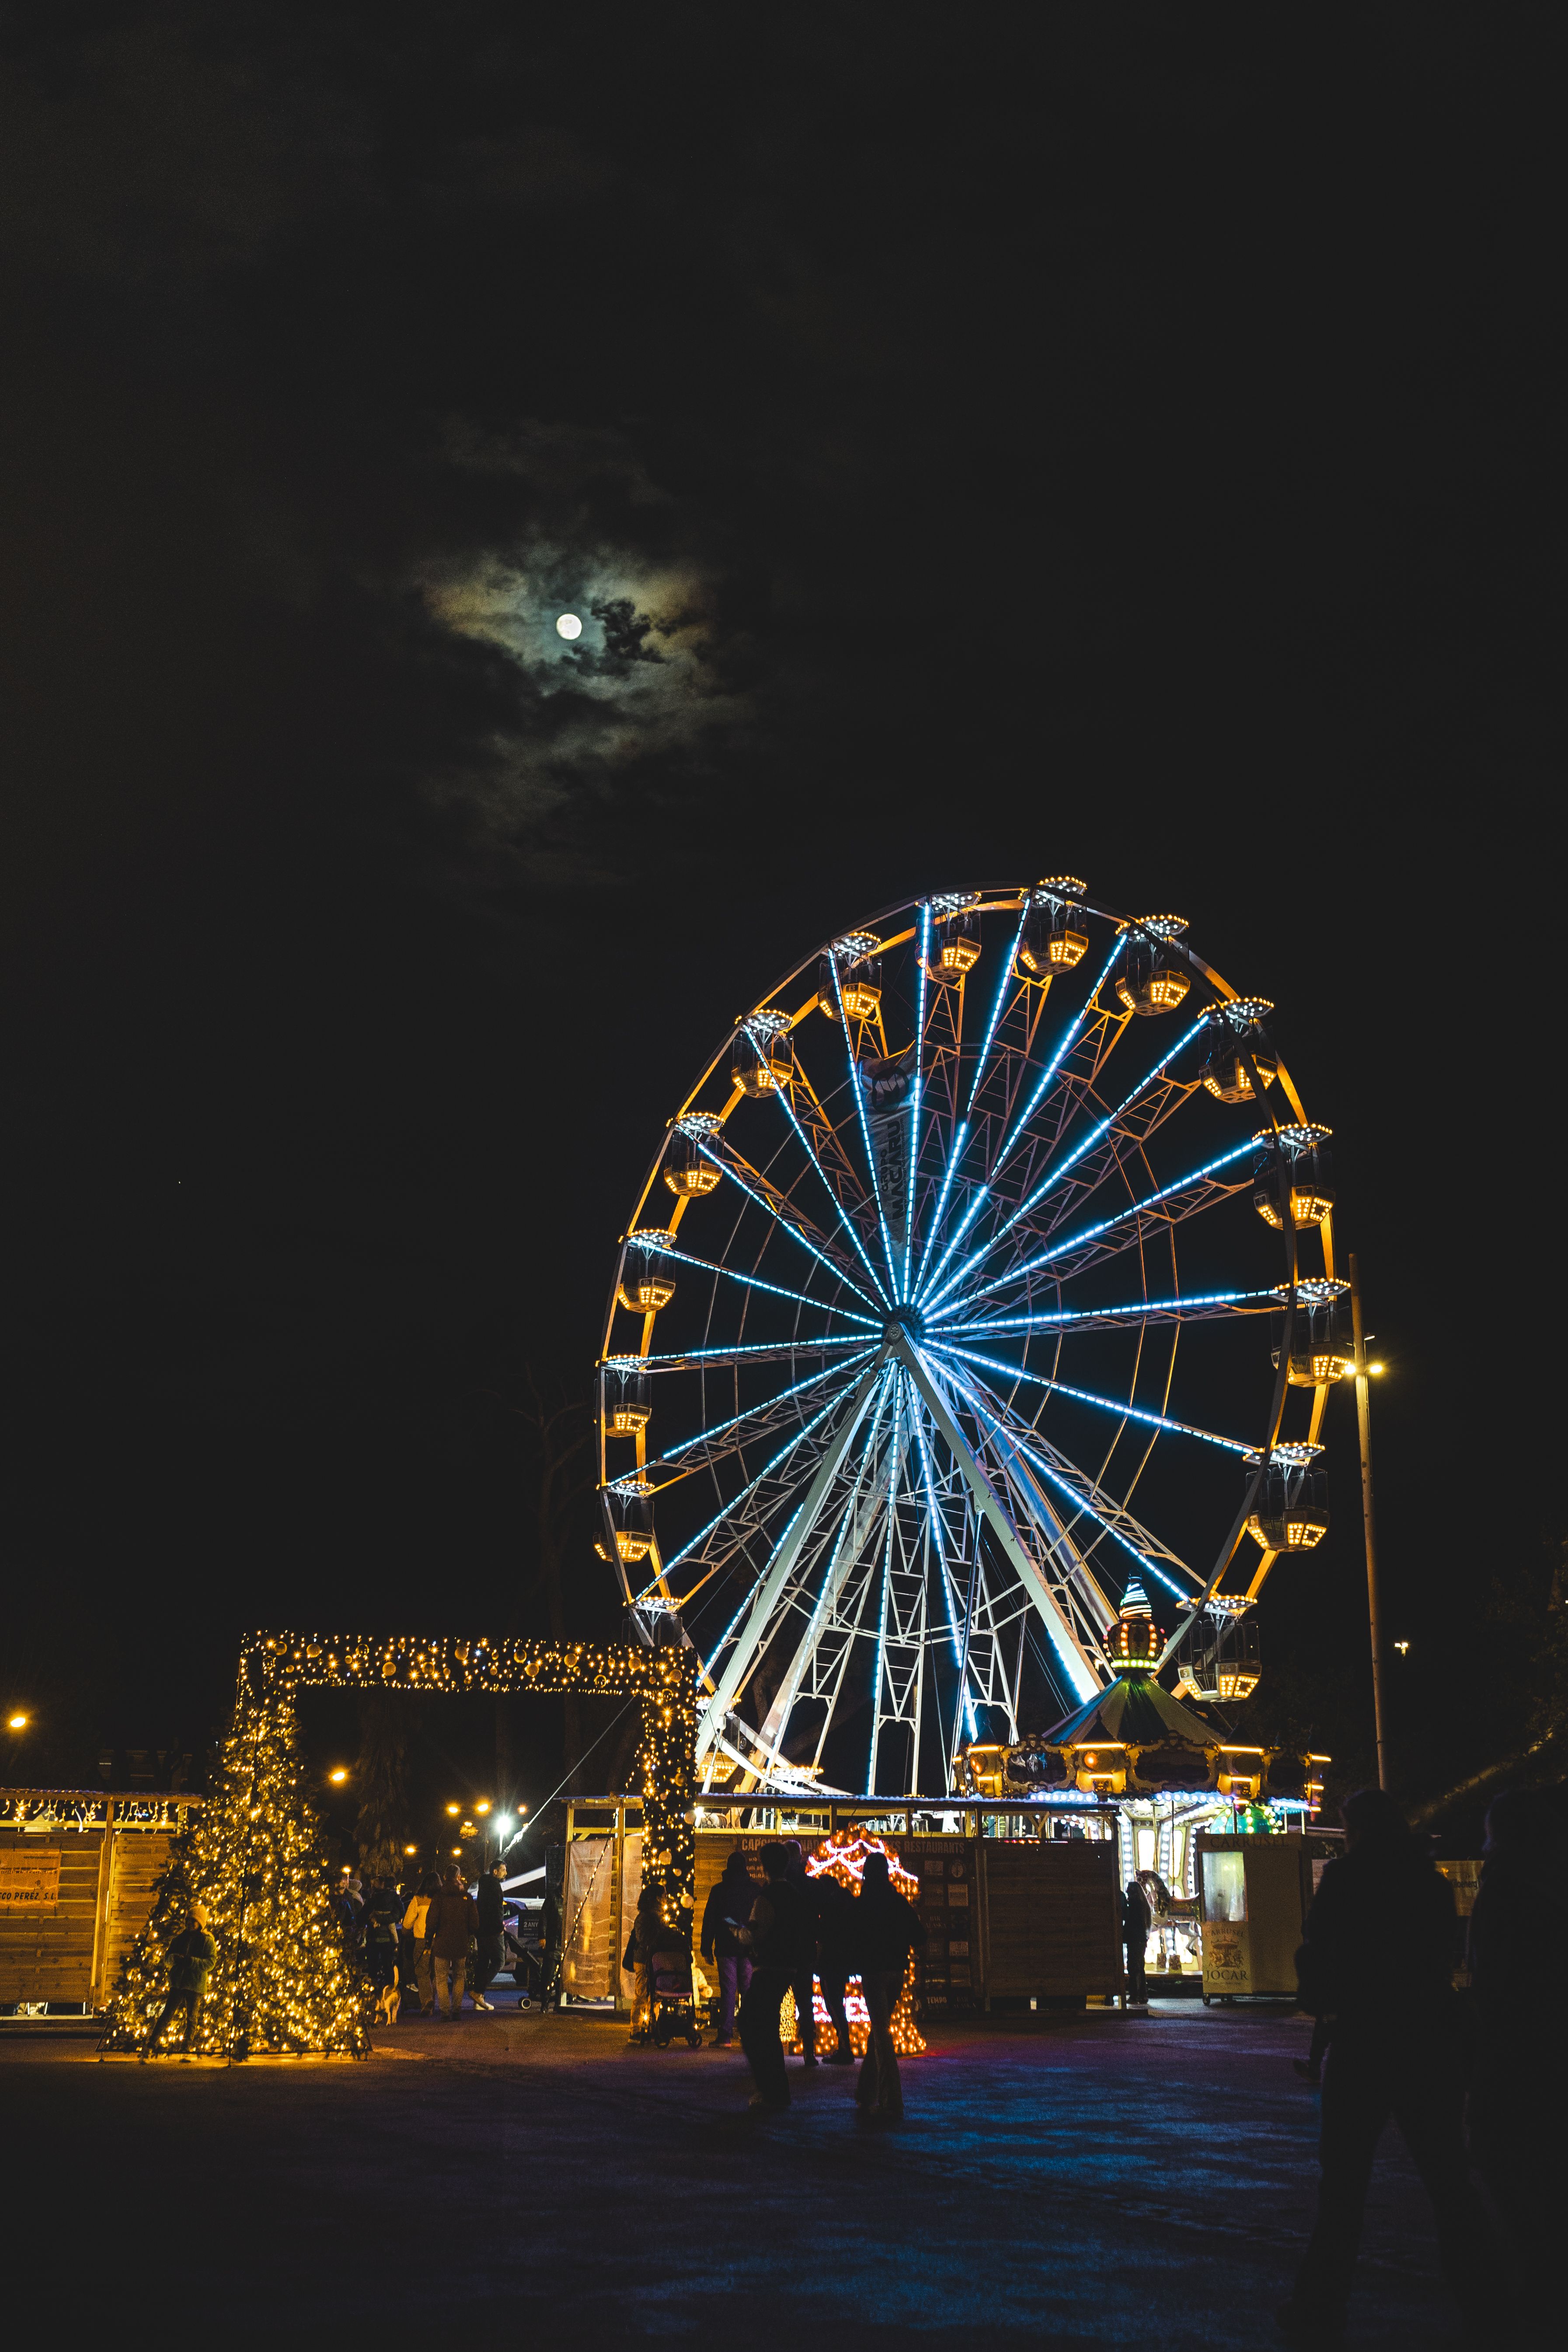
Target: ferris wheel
964	1288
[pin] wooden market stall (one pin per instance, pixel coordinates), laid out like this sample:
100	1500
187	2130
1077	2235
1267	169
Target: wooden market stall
78	1870
1016	1918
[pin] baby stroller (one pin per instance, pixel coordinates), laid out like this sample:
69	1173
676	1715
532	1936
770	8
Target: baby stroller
672	2000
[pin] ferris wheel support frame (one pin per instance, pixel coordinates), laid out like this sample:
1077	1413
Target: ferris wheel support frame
1064	1641
765	1598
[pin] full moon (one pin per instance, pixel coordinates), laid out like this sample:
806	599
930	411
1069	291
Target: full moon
569	625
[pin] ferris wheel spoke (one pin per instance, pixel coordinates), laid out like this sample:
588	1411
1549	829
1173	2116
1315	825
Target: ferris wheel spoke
1076	1589
860	1510
777	1290
760	1352
1124	1411
897	1603
839	1209
785	1215
1202	1307
1037	1454
954	1601
916	1098
1184	1198
1054	1616
1069	1038
770	1469
859	1096
1058	1174
758	1420
764	1600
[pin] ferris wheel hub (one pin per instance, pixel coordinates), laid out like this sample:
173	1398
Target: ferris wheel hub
904	1323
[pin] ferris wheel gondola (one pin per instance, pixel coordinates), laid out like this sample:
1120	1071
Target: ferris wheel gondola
896	1390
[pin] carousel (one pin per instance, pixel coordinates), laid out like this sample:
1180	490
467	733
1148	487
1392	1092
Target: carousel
1169	1773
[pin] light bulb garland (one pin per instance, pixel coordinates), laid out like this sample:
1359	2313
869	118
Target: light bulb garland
282	1983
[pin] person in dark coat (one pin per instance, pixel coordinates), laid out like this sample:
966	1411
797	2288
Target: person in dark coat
1136	1938
490	1936
190	1956
804	1984
727	1907
1517	1931
780	1939
886	1930
382	1912
1377	1962
452	1920
835	1939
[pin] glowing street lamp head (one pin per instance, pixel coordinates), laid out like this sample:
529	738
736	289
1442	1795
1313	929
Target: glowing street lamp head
15	1723
453	1811
569	626
483	1806
337	1775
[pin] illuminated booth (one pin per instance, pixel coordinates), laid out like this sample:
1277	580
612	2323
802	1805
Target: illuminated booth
1171	1778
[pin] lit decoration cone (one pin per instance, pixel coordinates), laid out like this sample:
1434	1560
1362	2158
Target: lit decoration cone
843	1856
282	1984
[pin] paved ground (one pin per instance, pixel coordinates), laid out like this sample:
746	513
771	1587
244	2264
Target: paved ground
1103	2180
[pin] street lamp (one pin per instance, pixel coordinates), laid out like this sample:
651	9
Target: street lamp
15	1723
338	1777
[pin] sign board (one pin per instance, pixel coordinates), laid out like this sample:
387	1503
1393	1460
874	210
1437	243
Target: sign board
29	1882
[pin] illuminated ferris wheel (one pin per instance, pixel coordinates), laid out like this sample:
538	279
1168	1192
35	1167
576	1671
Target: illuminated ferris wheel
946	1309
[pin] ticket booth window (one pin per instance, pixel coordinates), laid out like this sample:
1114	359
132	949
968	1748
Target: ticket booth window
1225	1886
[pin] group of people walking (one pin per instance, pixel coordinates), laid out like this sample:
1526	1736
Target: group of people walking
431	1941
792	1932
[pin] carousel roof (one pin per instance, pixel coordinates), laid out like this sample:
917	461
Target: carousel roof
1134	1712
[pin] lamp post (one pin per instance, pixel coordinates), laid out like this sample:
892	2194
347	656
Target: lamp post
1374	1613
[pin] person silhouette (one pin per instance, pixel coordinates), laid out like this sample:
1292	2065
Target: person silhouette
1377	1964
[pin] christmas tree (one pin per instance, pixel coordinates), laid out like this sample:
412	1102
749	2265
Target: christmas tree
282	1983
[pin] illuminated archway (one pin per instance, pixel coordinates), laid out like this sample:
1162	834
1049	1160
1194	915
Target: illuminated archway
281	1984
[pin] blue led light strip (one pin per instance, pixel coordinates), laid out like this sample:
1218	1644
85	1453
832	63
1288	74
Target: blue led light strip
1076	1241
727	1168
820	1602
886	1578
839	1209
813	1346
938	1525
865	1135
915	1110
766	1471
1063	1318
1054	1176
1086	1396
755	1282
1054	1065
830	1373
1012	1437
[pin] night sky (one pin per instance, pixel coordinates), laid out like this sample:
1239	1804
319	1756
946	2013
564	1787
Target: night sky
1121	443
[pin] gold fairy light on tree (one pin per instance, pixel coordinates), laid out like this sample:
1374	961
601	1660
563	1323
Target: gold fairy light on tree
283	1982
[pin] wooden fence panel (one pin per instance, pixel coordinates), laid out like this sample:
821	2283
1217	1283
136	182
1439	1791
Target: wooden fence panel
47	1954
